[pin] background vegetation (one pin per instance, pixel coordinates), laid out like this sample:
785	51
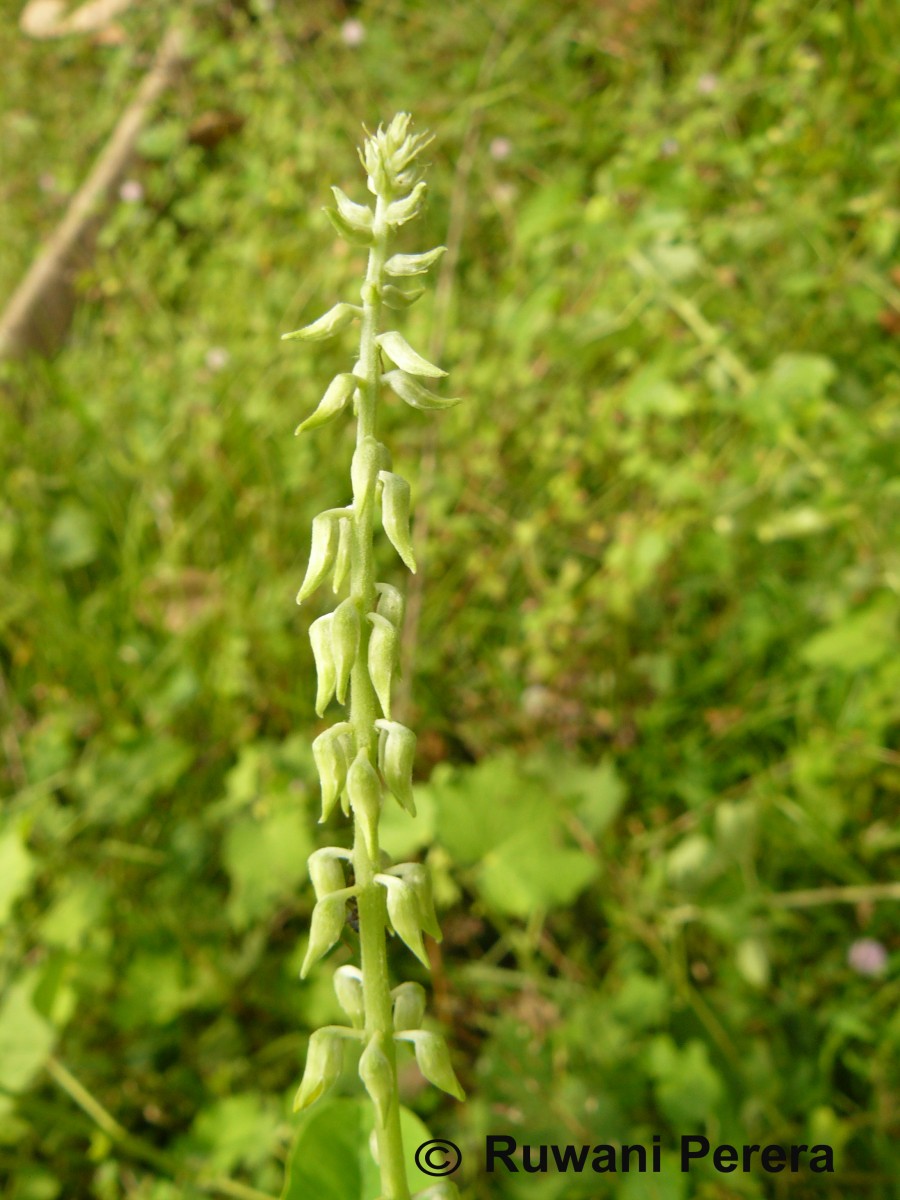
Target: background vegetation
653	662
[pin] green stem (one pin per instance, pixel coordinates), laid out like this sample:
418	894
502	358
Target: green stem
363	713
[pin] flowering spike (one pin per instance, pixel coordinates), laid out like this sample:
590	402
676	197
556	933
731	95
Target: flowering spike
346	754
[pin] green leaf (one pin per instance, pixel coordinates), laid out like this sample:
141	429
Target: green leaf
25	1039
237	1131
73	539
16	870
862	639
531	870
266	861
330	1158
688	1089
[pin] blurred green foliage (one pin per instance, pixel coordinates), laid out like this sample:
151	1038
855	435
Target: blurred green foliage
655	670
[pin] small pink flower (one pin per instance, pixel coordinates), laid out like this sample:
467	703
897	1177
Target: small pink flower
353	33
500	149
131	191
867	957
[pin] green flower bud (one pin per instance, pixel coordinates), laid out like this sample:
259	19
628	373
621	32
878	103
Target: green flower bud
326	326
434	1060
395	516
404	914
400	265
418	877
409	1006
396	755
404	210
360	216
322	551
391	604
345	633
397	299
320	640
381	659
369	458
326	871
331	759
332	403
376	1073
324	1061
349	232
399	351
415	395
364	791
342	555
348	987
325	927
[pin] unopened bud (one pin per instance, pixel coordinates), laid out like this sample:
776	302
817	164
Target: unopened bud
325	928
396	755
326	326
399	351
360	216
345	631
342	556
412	264
434	1060
404	210
381	658
326	872
330	756
403	911
364	791
323	547
332	403
320	640
391	604
368	459
398	299
324	1060
348	987
395	515
376	1073
418	877
409	1006
415	394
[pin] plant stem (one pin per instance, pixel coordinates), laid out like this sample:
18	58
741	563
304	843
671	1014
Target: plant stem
363	712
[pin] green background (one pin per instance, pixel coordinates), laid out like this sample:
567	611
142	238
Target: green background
652	654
